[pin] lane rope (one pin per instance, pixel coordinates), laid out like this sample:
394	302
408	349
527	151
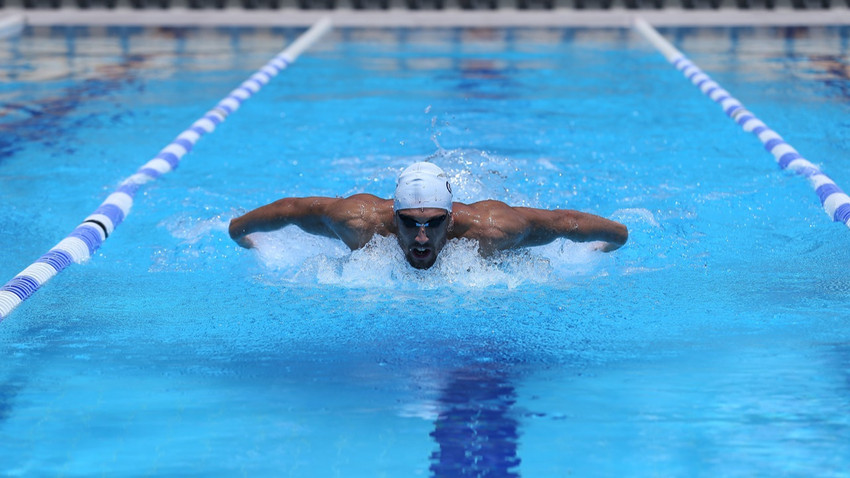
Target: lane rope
86	238
11	25
835	202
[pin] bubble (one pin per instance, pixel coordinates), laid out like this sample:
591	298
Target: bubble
639	215
198	246
288	249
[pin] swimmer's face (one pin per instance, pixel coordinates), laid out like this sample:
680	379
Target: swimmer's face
422	233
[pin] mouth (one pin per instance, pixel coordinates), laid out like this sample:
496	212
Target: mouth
420	252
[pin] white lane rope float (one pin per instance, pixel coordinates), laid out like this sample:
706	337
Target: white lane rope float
11	25
86	238
835	202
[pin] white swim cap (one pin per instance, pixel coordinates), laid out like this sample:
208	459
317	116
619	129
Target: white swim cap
423	185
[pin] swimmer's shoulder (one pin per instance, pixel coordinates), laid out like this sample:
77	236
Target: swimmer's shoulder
355	219
363	205
362	211
367	200
494	224
480	212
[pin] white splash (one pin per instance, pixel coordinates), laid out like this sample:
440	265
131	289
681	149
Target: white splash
295	256
190	229
636	215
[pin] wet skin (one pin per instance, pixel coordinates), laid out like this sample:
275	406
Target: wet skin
494	225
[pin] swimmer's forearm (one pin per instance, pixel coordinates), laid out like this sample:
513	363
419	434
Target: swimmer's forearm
306	213
590	228
258	220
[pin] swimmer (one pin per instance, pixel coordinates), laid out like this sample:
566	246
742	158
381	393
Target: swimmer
423	218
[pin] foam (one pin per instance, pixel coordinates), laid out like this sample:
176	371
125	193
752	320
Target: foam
292	255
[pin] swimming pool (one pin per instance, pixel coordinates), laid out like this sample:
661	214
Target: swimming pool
714	343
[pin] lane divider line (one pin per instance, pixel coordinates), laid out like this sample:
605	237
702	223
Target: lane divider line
86	238
835	202
11	25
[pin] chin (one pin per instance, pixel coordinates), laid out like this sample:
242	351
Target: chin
425	263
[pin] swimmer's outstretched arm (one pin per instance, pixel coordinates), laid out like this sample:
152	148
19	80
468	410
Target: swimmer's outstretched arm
498	226
307	213
353	220
547	225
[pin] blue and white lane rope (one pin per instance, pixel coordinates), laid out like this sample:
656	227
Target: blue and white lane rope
78	246
11	25
835	202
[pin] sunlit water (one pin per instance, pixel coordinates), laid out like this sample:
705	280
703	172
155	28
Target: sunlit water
714	343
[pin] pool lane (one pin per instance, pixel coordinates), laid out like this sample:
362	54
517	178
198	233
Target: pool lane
833	199
86	238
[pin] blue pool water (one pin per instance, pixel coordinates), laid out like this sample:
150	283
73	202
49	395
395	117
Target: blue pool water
715	343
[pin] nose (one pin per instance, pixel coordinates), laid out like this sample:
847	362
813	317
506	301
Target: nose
422	236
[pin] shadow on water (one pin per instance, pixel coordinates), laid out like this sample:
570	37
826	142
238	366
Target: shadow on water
475	431
63	86
9	391
33	119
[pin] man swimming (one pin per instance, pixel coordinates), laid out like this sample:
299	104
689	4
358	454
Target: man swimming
423	217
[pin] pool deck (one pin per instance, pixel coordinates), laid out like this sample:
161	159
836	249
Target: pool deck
559	17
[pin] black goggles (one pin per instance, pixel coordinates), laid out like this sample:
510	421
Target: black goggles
412	223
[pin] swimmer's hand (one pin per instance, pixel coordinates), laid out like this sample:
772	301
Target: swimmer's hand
240	237
245	242
605	246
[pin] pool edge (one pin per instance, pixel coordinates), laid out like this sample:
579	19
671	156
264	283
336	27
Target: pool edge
561	17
